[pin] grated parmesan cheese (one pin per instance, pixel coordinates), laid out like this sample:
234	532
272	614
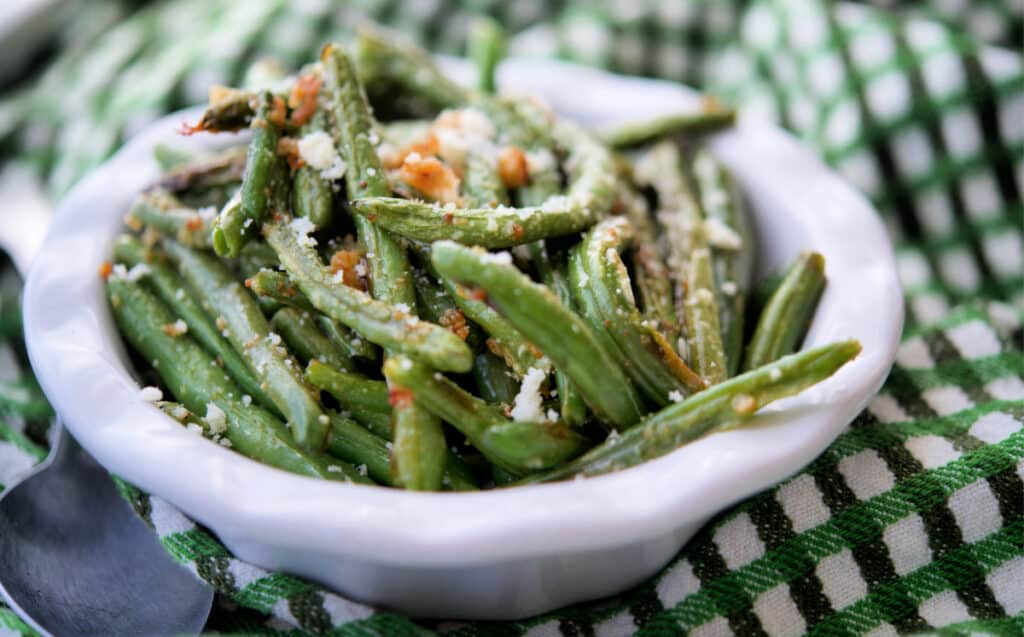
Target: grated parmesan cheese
528	404
151	394
120	272
335	171
317	150
216	419
302	227
722	236
501	258
555	203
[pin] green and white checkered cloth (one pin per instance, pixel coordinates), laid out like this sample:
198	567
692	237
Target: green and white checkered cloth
913	520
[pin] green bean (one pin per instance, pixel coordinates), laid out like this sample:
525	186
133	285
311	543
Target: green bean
419	448
789	311
418	457
171	289
347	340
389	265
495	382
505	340
590	195
312	194
518	447
721	407
275	285
353	125
256	256
689	259
300	333
349	441
434	301
732	255
486	49
232	229
678	212
163	211
222	296
229	110
571	404
194	379
365	399
482	186
650	274
602	288
386	325
703	331
507	355
561	335
437	304
382	62
527	122
712	117
219	169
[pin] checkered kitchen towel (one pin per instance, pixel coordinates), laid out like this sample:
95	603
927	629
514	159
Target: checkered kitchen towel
913	520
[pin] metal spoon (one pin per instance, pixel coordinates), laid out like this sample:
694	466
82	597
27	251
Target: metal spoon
74	558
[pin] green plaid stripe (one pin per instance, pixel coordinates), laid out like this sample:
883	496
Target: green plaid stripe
912	521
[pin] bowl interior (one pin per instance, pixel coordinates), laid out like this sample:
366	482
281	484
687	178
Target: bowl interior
797	204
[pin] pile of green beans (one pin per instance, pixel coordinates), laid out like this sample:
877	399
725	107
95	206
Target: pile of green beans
332	299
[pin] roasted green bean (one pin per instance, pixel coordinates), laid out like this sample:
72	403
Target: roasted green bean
389	326
191	375
240	319
721	407
554	329
172	291
789	311
712	116
234	226
518	447
301	334
732	249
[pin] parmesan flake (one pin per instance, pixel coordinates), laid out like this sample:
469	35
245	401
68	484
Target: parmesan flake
151	394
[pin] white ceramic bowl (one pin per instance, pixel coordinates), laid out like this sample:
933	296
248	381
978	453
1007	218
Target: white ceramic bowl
497	555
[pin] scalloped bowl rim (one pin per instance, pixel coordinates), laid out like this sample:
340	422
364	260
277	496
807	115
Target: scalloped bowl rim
81	365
